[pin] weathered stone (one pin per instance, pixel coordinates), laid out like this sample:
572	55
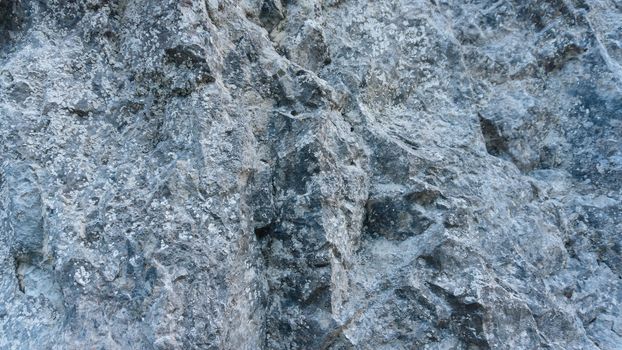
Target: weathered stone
337	174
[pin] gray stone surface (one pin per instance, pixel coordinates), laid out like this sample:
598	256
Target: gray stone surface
310	174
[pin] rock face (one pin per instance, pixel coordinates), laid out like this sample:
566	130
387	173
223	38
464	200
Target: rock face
310	174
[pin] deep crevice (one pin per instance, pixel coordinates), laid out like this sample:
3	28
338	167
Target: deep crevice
264	231
19	275
496	144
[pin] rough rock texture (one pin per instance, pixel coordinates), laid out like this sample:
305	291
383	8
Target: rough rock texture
310	174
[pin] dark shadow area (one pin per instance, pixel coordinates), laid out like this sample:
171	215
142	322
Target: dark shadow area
264	231
12	17
496	144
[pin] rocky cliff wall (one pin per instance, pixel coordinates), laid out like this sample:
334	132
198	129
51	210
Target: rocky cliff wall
310	174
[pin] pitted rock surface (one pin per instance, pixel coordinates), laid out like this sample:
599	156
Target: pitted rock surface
310	174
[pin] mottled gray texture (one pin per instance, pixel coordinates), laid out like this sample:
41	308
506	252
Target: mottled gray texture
310	174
